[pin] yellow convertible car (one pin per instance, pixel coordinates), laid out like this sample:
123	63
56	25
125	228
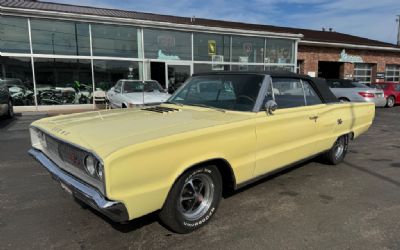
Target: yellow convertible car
218	132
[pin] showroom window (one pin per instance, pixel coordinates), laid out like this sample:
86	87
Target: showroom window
247	49
108	72
167	45
279	68
392	73
14	35
363	72
60	38
16	73
115	41
63	81
211	47
279	51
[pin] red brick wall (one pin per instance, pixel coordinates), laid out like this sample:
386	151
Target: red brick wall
311	55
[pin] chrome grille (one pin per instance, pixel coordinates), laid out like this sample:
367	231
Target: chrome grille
66	152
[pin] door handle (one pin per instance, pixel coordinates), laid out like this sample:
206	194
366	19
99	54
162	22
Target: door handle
315	117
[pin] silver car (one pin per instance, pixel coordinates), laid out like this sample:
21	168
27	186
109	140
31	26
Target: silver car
351	91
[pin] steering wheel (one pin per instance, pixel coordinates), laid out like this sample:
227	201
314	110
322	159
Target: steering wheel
246	97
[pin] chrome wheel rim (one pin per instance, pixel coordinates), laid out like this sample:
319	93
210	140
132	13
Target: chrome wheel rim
339	148
390	102
196	196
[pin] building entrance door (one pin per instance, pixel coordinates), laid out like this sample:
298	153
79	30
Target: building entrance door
176	75
157	72
329	70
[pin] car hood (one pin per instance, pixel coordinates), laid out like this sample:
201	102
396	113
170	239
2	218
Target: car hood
147	97
107	131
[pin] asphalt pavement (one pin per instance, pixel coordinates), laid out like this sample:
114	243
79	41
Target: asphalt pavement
354	205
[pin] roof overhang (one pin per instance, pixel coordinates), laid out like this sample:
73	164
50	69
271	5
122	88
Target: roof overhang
348	46
141	23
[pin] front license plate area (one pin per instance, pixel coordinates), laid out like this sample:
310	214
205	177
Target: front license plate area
66	188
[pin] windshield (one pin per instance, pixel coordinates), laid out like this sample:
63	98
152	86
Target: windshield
140	86
359	85
379	86
231	91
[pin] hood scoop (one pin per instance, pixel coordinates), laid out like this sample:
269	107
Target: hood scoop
159	109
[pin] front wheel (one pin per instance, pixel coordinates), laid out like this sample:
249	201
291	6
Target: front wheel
10	112
193	199
336	154
390	102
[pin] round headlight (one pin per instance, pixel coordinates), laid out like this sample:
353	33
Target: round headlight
90	165
100	170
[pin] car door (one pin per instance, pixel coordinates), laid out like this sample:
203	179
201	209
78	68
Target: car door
287	135
114	95
397	92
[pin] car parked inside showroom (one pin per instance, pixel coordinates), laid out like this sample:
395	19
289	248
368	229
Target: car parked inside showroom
391	90
6	101
352	91
132	93
218	133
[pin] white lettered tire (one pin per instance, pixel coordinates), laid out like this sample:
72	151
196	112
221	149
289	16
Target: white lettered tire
193	199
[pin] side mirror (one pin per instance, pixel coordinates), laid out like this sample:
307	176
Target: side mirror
271	106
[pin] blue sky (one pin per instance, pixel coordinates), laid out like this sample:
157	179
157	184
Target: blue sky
374	19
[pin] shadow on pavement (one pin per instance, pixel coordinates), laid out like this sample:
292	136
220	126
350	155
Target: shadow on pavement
377	175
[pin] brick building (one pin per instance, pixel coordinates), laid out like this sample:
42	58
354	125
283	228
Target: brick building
335	55
60	54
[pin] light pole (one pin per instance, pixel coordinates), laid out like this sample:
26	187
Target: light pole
398	30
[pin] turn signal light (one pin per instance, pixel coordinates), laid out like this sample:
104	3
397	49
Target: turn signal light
365	94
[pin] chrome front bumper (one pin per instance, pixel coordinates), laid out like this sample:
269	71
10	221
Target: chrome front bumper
116	211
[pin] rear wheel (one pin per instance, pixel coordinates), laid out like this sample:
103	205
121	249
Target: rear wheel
390	102
193	199
336	154
10	112
344	99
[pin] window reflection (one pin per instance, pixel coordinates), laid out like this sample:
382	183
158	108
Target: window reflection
167	45
63	81
60	38
14	35
108	72
16	73
114	41
247	49
279	51
211	47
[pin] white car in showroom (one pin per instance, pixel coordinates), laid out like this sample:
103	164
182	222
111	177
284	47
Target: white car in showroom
136	93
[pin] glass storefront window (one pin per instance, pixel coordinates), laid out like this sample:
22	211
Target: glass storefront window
14	35
107	72
392	73
16	73
247	49
279	68
363	72
203	68
63	81
167	45
211	47
247	67
60	37
279	51
114	41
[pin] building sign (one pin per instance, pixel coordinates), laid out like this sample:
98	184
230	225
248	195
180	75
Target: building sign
212	47
380	75
344	57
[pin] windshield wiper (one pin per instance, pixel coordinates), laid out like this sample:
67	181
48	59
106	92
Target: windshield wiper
206	106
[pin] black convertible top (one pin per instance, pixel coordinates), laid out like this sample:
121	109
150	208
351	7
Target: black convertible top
319	84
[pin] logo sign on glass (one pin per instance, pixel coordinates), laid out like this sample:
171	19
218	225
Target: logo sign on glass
212	47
